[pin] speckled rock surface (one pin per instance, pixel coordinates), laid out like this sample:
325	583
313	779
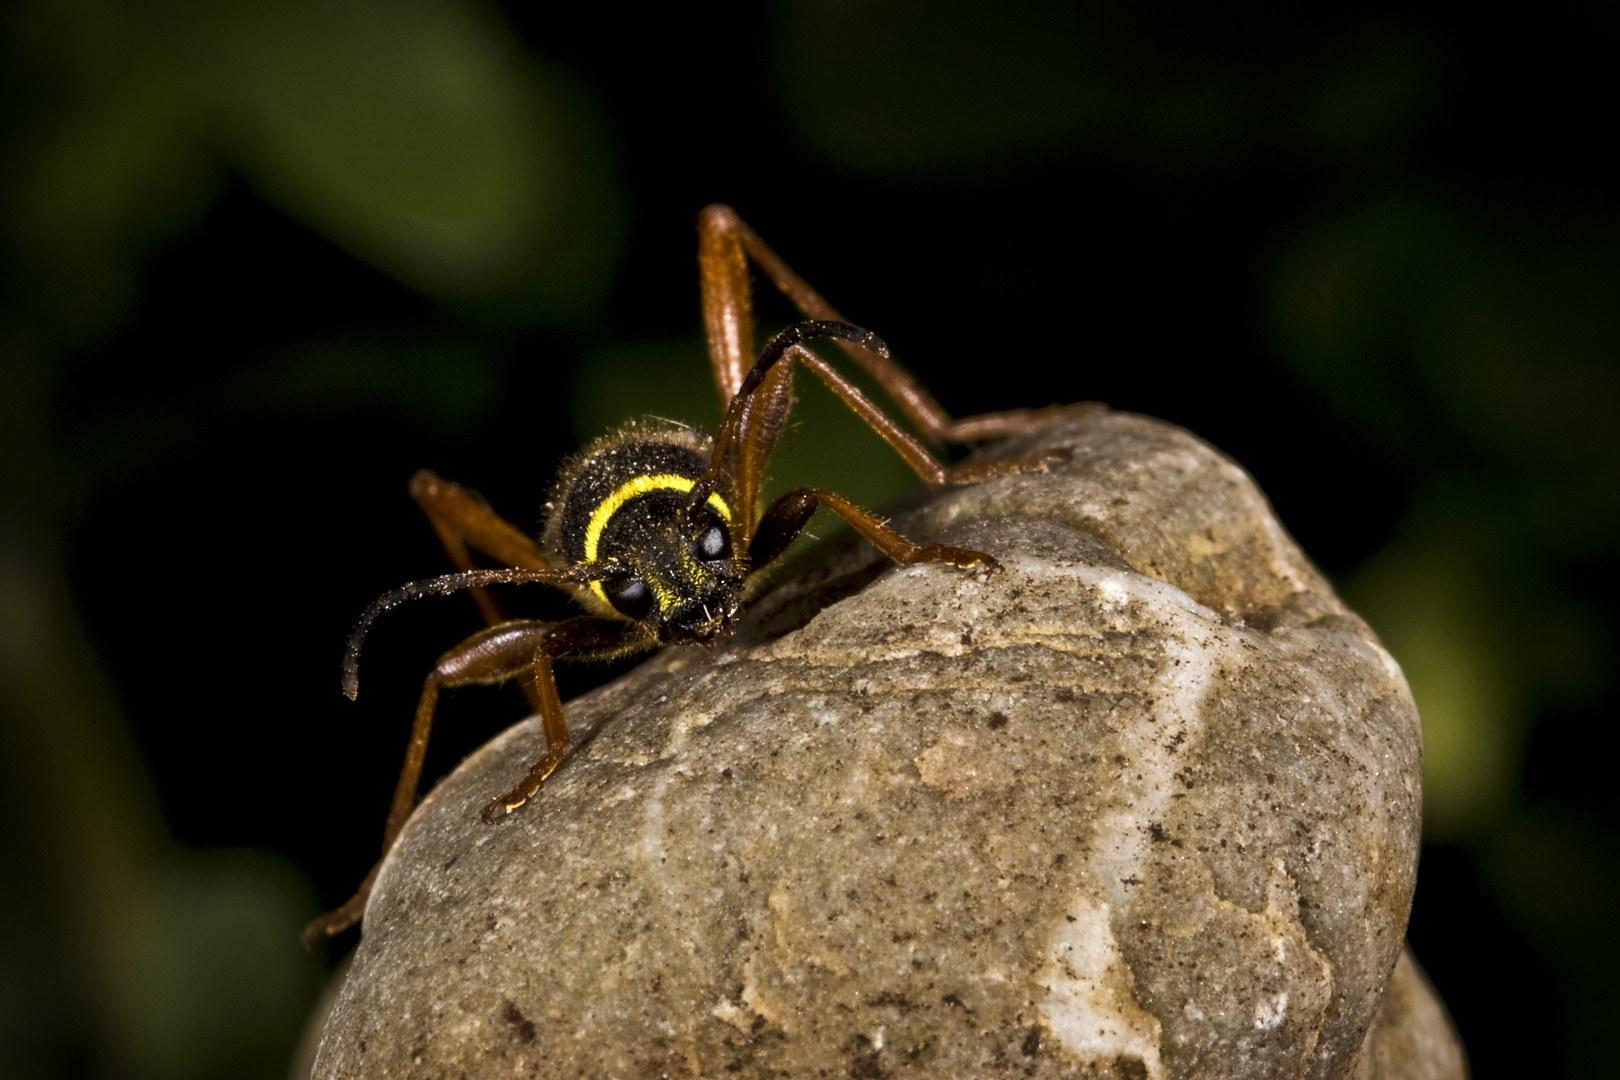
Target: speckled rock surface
1144	803
1411	1038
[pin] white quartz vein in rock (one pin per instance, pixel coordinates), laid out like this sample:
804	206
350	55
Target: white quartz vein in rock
1090	1007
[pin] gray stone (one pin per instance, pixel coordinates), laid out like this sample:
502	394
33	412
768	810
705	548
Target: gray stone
1143	803
1411	1038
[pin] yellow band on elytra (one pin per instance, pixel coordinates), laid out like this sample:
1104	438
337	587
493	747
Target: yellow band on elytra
628	490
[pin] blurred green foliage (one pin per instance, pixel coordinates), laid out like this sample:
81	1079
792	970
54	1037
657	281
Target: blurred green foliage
417	134
950	92
216	987
422	137
1409	319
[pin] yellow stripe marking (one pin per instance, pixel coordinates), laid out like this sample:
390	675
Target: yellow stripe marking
640	485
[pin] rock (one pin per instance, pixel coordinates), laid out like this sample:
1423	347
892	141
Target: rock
1144	803
1411	1038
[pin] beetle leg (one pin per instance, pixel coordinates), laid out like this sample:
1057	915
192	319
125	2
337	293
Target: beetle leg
580	638
779	526
732	243
927	467
492	655
465	523
788	515
728	322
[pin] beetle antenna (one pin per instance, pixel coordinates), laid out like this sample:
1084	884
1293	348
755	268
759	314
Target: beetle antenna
774	350
444	586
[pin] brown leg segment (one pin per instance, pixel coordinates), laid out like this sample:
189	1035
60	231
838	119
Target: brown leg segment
924	464
466	519
492	655
787	345
728	306
581	638
726	240
465	523
788	515
728	322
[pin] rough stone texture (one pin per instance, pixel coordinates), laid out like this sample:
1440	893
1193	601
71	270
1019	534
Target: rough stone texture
1144	803
1411	1038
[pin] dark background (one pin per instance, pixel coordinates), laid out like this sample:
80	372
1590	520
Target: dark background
262	261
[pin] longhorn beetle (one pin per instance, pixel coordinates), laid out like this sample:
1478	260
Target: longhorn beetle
658	530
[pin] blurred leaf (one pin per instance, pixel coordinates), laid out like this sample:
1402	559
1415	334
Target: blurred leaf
1427	329
576	247
667	378
956	89
417	134
1555	877
119	168
410	131
1354	295
1382	84
910	87
1433	608
103	164
1484	362
216	969
445	384
181	966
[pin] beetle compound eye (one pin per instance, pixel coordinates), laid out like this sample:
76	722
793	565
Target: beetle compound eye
714	543
631	598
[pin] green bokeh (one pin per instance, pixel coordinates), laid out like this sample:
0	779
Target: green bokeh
421	137
1428	326
418	135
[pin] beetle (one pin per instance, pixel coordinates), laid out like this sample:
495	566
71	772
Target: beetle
658	530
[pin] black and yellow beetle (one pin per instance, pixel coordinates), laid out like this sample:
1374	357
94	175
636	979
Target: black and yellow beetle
657	529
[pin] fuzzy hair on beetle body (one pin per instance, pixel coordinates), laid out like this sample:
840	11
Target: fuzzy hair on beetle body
623	501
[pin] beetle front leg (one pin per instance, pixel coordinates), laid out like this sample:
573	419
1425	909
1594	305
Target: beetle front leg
581	638
493	655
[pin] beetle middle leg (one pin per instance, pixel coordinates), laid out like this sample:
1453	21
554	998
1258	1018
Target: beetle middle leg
739	431
786	518
726	245
582	638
